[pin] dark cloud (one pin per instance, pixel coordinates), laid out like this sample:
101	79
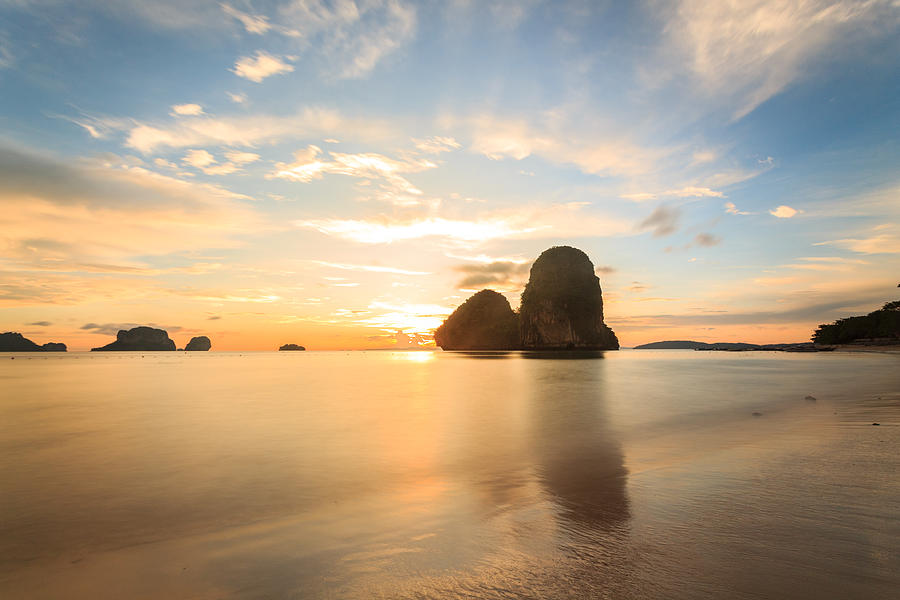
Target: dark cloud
663	221
41	324
707	239
214	318
498	272
604	270
114	328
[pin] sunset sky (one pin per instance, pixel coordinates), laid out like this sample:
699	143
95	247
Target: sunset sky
342	175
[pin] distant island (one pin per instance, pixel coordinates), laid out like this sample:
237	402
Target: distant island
291	348
731	346
198	344
878	328
562	309
16	342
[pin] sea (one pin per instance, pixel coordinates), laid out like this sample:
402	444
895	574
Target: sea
379	474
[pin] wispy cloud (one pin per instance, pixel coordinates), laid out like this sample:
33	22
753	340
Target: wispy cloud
310	164
369	268
707	239
731	209
262	65
257	24
880	242
691	191
746	52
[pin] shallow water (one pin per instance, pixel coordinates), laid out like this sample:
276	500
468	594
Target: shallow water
639	474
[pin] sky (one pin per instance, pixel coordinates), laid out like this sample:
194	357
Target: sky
343	174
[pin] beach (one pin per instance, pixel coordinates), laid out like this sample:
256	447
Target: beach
637	474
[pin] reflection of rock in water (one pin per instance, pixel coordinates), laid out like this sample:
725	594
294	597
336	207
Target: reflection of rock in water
580	461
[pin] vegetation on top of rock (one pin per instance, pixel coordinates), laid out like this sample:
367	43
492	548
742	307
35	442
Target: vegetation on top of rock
200	343
483	322
562	304
142	339
882	324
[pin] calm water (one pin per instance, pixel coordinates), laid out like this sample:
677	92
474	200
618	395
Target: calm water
638	474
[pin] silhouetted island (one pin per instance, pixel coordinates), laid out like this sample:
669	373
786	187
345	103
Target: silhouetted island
16	342
731	346
140	339
562	309
198	344
879	327
291	347
483	322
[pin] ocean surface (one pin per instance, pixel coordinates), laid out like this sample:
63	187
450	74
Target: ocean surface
631	474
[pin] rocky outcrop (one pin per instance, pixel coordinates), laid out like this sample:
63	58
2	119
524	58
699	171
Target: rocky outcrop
483	322
141	339
291	347
16	342
198	344
562	305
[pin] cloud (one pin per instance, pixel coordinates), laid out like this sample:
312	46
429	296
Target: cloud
114	328
559	139
784	212
880	243
351	37
746	52
252	23
191	110
237	131
241	158
707	239
370	268
531	222
237	98
437	144
604	270
663	221
7	58
262	66
198	158
685	192
500	273
393	187
98	212
40	324
731	209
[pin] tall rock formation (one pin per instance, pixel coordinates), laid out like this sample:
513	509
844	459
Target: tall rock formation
562	305
141	339
483	322
200	343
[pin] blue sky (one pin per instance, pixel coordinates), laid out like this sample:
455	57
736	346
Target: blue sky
342	174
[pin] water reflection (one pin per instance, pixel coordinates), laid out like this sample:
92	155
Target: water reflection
563	354
579	460
484	353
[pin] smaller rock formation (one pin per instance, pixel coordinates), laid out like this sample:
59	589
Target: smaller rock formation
141	339
483	322
15	342
198	344
291	347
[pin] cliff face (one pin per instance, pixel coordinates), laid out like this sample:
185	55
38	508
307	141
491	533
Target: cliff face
141	339
562	305
291	348
483	322
198	344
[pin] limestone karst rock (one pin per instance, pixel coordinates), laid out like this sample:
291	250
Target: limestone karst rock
198	344
483	322
562	304
146	339
16	342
